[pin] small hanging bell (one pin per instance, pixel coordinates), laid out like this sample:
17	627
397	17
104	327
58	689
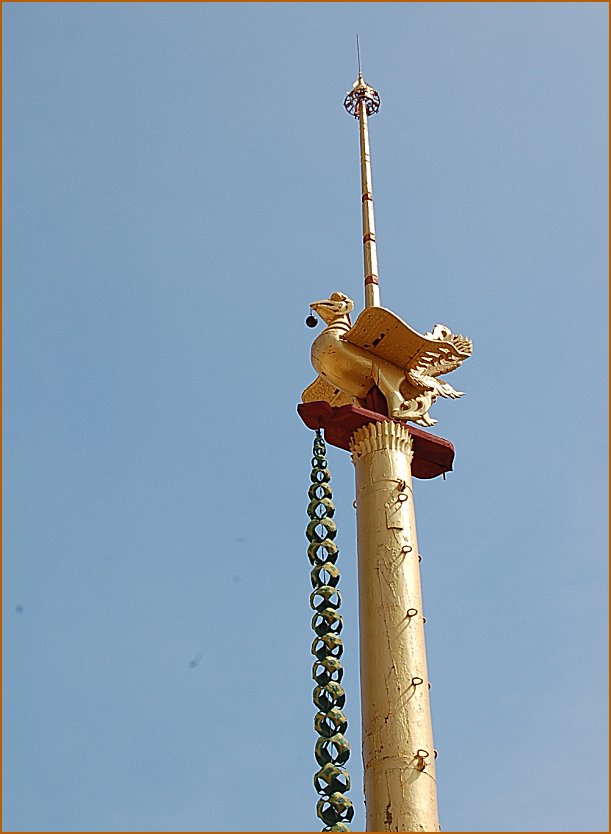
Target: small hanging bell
311	320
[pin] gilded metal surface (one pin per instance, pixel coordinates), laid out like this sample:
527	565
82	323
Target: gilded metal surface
332	749
322	391
363	101
398	755
381	349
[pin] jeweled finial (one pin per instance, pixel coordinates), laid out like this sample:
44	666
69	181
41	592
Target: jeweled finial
361	91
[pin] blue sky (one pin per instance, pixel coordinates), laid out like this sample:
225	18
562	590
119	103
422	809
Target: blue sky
181	180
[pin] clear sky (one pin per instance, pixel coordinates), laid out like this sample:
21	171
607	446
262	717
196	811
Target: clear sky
181	180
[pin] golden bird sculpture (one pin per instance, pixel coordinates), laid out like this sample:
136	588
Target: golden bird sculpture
381	350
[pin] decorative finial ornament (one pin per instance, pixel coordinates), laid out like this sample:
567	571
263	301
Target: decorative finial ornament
361	91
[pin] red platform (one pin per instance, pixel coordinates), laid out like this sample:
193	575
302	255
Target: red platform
433	455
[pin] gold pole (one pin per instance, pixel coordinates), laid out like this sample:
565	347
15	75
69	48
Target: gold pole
361	102
398	755
370	255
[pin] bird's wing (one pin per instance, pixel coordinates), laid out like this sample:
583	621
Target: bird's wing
382	333
320	389
445	356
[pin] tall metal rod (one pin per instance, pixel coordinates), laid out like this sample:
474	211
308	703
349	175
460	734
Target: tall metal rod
398	755
370	254
361	102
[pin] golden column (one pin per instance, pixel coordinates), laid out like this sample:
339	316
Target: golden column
398	755
373	377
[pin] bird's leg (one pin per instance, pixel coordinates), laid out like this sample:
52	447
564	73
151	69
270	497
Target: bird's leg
389	379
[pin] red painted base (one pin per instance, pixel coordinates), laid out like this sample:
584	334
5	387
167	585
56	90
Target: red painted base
433	455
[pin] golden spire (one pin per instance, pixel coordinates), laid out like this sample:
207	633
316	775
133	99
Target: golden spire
363	101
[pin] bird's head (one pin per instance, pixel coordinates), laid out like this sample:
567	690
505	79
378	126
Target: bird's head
330	309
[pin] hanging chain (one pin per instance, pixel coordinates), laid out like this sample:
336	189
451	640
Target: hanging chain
332	749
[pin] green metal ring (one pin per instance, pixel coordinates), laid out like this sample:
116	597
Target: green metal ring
328	696
331	779
328	508
328	723
327	620
320	552
328	525
331	598
330	569
328	644
320	491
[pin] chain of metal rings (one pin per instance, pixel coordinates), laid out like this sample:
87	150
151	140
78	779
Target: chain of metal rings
332	750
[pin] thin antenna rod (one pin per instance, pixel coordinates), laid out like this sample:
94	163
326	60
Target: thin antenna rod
358	53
